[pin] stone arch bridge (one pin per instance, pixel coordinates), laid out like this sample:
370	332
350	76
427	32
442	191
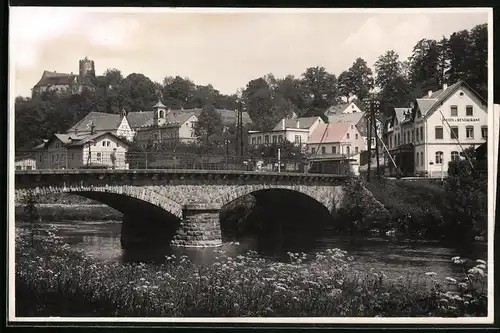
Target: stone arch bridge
194	197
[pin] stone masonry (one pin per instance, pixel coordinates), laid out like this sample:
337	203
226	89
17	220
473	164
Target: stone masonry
194	198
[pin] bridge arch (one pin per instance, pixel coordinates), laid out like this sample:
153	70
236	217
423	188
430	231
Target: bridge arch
105	194
328	196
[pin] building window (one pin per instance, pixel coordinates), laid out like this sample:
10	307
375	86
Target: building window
28	167
352	126
18	167
484	132
280	138
41	157
266	139
453	111
356	150
418	160
334	150
356	136
454	132
348	150
253	141
438	132
422	158
72	156
57	157
323	150
297	138
422	133
404	137
439	157
399	139
259	140
348	136
454	156
469	111
469	132
99	156
313	150
390	142
275	139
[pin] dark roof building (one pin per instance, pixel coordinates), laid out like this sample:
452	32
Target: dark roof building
67	83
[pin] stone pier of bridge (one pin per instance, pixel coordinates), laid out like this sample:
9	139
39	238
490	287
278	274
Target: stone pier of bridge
200	226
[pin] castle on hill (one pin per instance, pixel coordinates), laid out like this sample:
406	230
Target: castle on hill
68	83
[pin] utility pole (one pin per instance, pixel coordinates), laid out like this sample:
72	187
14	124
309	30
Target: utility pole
374	127
240	126
368	113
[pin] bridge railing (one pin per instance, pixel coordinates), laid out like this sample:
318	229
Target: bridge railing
62	159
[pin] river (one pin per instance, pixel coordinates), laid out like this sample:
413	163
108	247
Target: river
101	240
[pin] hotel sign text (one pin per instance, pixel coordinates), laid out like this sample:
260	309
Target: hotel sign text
462	120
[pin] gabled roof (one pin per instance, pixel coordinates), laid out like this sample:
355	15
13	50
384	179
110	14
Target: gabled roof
140	119
403	114
335	132
353	118
339	108
56	79
428	105
179	117
145	118
102	122
84	140
304	123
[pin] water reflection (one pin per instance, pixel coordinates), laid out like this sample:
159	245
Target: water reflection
395	258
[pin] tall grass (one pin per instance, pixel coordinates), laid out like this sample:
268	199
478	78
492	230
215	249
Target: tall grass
52	280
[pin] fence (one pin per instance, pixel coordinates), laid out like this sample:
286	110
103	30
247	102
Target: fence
147	160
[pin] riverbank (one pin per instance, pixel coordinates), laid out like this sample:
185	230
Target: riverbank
71	212
52	280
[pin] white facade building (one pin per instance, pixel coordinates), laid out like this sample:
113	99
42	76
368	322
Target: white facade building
423	139
297	131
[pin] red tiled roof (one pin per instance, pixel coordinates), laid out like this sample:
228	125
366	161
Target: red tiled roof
334	133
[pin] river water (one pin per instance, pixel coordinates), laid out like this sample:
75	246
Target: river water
101	240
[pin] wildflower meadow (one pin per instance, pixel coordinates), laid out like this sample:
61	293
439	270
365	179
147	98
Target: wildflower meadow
54	280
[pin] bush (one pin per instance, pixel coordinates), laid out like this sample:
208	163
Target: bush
466	202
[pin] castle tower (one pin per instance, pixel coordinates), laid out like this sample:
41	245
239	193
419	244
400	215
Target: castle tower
159	114
87	67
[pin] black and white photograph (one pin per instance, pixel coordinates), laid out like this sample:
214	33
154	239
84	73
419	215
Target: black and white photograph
251	165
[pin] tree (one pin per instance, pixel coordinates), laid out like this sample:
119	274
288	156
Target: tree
178	92
397	93
209	127
387	68
137	93
459	53
466	194
424	66
478	78
319	90
258	100
204	95
358	80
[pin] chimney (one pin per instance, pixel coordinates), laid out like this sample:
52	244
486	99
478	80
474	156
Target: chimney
429	93
445	86
298	123
283	124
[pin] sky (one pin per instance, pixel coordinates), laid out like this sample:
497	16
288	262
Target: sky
223	48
